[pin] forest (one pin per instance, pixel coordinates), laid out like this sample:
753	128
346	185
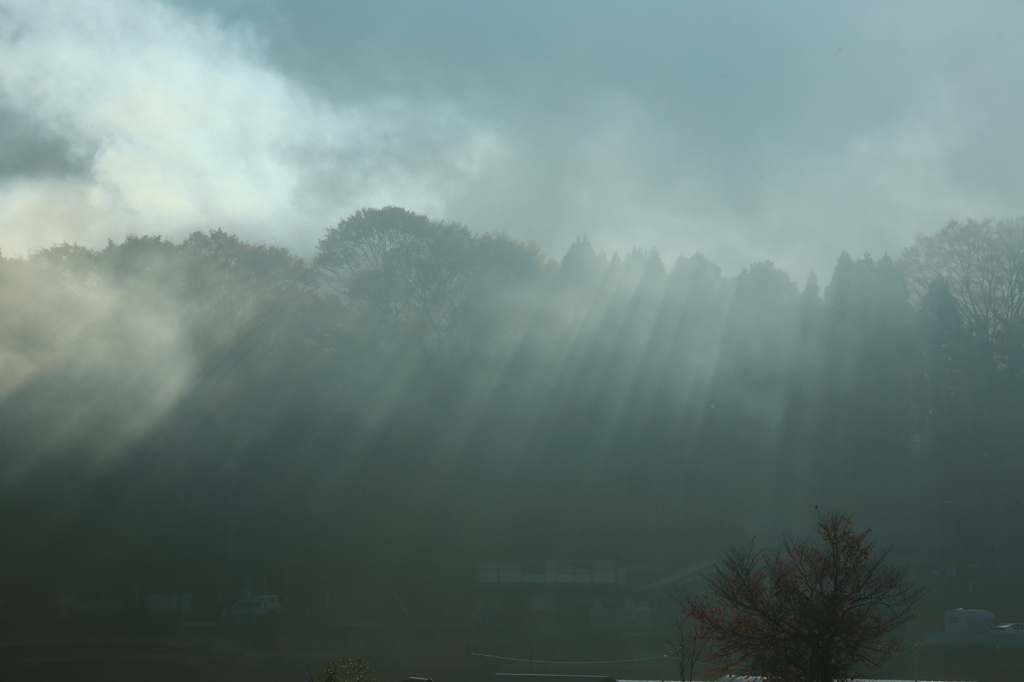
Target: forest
418	396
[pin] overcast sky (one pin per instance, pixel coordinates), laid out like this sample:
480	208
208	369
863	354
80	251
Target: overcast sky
744	130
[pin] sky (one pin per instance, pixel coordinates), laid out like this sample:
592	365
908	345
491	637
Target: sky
787	131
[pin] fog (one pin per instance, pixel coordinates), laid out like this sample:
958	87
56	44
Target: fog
472	331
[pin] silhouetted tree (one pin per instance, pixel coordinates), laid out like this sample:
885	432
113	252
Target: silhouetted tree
983	266
807	612
412	279
404	273
870	365
686	650
235	291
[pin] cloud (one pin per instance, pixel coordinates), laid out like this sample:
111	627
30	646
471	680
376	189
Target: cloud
747	131
159	121
788	131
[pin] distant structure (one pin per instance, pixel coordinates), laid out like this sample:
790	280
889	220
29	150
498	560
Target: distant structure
976	626
962	621
553	595
511	677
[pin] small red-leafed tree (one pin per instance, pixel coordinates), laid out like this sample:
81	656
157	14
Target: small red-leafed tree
807	612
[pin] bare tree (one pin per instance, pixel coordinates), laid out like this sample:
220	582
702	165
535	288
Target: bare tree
686	649
808	612
983	265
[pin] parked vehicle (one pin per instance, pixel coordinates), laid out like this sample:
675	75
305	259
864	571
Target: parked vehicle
964	621
1009	629
251	609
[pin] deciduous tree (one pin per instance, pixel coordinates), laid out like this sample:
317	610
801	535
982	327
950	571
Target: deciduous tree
807	612
982	263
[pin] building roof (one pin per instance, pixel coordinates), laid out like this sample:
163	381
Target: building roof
512	677
683	576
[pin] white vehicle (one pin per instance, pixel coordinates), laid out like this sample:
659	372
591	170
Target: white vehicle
965	621
251	609
1009	629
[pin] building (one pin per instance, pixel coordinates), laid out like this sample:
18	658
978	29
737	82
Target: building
578	595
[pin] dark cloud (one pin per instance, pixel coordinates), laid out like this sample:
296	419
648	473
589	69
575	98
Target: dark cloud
28	149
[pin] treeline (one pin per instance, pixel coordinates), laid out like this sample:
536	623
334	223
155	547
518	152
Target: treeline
422	395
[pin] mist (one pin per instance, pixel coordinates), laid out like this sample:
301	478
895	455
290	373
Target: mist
474	335
361	430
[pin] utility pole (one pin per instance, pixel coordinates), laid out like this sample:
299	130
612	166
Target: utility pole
287	571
